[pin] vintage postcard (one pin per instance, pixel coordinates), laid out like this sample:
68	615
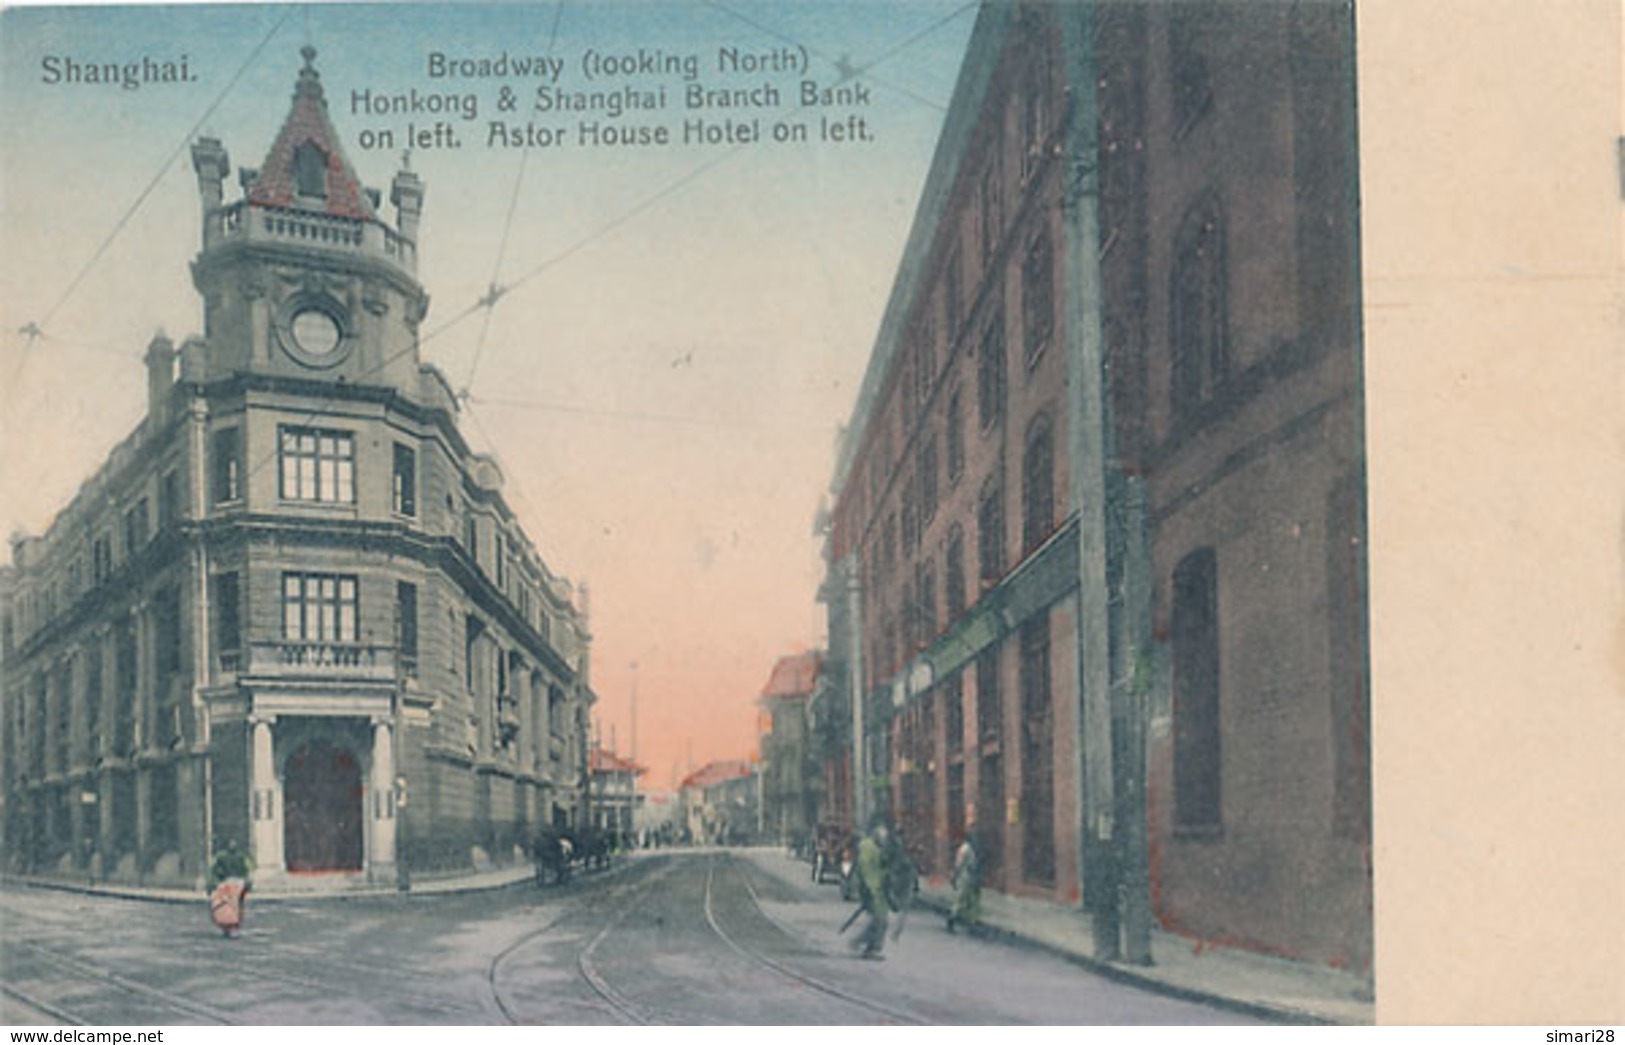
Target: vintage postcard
746	513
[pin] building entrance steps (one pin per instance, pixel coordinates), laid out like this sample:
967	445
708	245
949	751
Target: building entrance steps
1293	992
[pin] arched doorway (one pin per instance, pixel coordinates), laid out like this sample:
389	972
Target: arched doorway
322	806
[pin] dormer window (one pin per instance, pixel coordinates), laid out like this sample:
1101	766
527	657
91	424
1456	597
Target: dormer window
310	171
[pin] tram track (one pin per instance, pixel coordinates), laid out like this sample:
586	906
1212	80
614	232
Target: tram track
614	1002
257	969
822	986
44	1008
85	970
237	962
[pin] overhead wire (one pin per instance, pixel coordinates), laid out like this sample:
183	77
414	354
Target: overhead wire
39	326
671	187
496	290
849	70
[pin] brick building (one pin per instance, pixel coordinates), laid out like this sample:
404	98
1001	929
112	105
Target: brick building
293	609
1096	574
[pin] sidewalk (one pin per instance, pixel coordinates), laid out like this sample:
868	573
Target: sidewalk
1242	981
422	885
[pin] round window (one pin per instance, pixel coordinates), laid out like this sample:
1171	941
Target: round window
316	332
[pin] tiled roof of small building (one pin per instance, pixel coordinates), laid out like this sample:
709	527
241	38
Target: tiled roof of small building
794	676
608	762
713	773
307	121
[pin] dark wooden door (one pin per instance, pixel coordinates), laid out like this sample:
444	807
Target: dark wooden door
322	798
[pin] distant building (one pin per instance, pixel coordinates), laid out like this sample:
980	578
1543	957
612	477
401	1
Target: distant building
613	789
658	816
721	803
1096	554
293	610
790	778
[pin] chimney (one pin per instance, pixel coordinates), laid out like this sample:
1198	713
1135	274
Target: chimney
160	361
212	164
407	195
194	360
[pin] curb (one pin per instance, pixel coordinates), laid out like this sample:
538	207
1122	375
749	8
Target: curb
1131	975
1127	974
427	887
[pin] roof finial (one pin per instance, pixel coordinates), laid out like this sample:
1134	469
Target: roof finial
310	81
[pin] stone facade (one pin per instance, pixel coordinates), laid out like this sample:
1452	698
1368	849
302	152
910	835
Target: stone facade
293	610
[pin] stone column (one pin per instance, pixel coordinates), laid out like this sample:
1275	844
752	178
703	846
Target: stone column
383	799
267	816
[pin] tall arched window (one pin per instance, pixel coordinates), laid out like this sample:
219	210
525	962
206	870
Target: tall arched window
990	534
990	372
954	573
1199	311
1038	485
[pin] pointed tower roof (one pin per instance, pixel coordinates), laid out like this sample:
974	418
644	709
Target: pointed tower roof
307	124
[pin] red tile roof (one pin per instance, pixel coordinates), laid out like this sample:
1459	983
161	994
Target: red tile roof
307	122
602	761
794	676
713	773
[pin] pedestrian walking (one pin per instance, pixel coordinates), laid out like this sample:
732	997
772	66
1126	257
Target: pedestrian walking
966	879
873	873
228	888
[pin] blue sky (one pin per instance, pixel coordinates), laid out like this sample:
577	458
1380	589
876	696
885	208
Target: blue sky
683	494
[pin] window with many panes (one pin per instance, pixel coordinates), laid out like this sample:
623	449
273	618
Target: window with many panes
228	634
1037	296
990	372
135	528
126	663
928	477
954	574
1038	486
990	205
167	640
62	726
225	465
93	699
319	607
990	533
989	700
101	559
317	465
951	304
169	500
406	625
926	601
405	488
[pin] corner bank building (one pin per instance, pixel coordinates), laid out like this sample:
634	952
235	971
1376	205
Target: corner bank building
292	611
